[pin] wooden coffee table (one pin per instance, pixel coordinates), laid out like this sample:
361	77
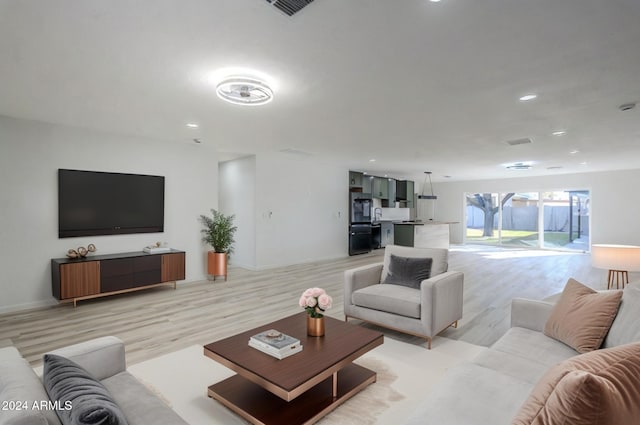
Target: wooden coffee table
299	389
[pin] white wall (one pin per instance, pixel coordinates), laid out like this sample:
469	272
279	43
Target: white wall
300	210
615	207
30	155
237	189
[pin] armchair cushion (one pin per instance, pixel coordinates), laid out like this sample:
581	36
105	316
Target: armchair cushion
440	257
395	299
406	271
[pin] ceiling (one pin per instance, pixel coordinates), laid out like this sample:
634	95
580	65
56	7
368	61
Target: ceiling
414	84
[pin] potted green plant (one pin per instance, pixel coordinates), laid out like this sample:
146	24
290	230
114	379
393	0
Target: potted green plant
218	232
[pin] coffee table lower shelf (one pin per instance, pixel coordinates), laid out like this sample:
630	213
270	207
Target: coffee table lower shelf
259	406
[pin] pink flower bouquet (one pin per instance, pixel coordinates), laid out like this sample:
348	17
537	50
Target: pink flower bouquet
315	301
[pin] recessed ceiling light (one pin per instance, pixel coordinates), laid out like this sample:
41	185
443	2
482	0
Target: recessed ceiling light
559	133
584	163
528	97
372	160
435	1
192	125
573	152
244	91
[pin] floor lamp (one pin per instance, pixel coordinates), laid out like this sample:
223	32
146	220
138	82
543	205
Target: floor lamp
618	259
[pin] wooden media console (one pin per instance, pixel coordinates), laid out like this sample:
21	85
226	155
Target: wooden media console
78	279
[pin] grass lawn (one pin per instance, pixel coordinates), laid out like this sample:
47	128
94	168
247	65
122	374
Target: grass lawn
522	238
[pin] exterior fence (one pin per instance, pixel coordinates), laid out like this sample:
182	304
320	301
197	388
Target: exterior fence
556	219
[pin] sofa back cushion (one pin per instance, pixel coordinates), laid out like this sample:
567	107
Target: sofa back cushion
625	328
439	257
19	383
582	317
82	398
596	388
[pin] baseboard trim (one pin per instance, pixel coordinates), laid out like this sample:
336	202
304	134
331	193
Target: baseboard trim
28	306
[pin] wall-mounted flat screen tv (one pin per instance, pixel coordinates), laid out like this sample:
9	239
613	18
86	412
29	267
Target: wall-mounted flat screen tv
94	203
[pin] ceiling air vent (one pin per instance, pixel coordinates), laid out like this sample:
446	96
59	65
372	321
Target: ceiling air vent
290	7
519	166
516	142
294	151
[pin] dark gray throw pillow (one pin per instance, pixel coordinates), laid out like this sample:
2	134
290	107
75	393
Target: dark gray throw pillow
82	400
407	271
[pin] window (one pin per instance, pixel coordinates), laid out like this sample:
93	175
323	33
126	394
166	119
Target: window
515	219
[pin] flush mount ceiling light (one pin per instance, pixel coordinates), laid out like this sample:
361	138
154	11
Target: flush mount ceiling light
244	91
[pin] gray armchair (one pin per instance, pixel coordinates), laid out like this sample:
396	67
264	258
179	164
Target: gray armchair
422	312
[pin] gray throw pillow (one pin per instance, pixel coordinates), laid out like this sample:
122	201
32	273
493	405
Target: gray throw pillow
82	400
408	271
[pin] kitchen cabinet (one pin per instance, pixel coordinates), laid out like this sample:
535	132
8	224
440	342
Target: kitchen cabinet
401	190
367	184
391	203
355	179
403	234
380	188
405	193
433	234
411	194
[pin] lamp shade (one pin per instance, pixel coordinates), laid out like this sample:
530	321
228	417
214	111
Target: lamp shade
616	257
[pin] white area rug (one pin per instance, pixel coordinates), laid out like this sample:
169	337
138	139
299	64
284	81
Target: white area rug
406	374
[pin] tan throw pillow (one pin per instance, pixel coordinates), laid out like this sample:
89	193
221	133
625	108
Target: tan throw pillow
598	388
582	317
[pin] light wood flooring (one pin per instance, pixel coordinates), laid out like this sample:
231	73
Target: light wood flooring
162	320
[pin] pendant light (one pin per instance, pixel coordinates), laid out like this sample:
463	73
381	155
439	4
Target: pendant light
423	196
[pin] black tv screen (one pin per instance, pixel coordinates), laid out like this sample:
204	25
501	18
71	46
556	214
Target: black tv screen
94	203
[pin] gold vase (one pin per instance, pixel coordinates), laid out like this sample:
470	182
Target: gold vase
315	326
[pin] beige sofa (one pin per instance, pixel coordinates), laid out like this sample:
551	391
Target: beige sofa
104	359
490	389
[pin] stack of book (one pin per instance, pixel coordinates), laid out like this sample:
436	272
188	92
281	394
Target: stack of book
275	344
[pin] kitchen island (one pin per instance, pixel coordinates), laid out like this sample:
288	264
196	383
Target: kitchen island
427	234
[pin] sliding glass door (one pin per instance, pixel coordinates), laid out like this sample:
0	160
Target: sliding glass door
553	220
520	219
482	218
566	220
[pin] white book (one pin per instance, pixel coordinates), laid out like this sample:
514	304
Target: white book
278	355
276	339
154	250
270	348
